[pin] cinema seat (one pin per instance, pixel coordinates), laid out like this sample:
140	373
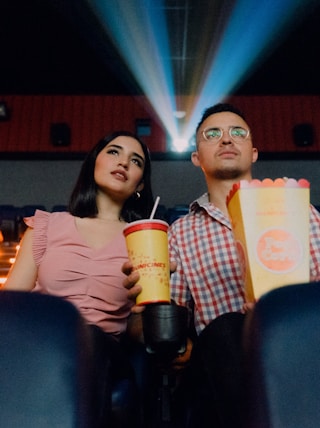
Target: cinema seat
282	355
45	363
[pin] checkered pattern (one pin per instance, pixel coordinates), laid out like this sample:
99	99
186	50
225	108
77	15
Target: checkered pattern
208	273
314	244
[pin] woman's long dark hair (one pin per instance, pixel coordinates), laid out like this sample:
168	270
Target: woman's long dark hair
83	202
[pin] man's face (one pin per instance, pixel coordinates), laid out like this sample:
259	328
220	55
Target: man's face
229	156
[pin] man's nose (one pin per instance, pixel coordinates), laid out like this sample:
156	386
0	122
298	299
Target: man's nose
226	139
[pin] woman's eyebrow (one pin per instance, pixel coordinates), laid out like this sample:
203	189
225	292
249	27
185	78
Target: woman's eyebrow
139	156
133	153
115	146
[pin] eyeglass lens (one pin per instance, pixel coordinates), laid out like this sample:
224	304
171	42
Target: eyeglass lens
235	132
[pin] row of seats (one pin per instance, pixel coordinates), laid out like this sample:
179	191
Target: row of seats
11	219
12	225
12	211
281	344
35	391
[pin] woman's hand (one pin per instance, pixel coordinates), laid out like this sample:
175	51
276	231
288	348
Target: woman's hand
131	284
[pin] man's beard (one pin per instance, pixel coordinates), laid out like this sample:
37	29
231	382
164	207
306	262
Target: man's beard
228	174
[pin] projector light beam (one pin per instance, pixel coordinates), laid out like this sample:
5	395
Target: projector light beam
138	29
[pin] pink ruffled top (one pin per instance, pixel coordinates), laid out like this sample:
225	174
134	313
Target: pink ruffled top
89	278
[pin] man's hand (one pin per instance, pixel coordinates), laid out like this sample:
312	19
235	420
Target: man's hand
247	307
182	361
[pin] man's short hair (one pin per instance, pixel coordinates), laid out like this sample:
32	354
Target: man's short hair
219	108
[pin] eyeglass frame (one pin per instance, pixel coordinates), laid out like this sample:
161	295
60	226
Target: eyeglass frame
223	131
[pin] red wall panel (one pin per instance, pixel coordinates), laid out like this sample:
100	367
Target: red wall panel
271	119
89	118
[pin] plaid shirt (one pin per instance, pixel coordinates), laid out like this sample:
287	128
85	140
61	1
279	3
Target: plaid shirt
208	276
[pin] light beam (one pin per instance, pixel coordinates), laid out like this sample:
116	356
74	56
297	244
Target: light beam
138	29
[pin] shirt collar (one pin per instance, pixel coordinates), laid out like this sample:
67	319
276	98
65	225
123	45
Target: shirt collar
203	203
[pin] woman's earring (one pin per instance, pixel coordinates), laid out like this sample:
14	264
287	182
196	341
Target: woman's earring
137	194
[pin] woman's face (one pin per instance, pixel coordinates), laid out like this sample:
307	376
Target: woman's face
119	168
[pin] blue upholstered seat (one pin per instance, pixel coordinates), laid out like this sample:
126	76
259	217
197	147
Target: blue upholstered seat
45	366
282	342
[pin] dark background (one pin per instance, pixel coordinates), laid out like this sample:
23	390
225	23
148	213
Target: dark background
54	47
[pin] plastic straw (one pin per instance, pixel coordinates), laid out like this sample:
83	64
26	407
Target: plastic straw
155	206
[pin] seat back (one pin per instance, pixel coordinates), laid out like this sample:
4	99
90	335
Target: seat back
9	218
59	208
29	210
45	363
282	343
176	212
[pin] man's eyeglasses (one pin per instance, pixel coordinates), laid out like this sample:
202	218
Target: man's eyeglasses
237	134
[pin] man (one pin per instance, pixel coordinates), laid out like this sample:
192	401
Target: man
208	276
202	243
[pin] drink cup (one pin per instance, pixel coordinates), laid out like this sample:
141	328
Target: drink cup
147	244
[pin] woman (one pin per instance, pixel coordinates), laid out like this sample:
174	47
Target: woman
78	255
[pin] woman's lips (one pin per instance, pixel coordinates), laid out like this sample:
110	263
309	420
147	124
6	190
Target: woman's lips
120	175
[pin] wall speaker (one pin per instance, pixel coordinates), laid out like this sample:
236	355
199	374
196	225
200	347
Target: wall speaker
143	127
303	134
4	111
60	134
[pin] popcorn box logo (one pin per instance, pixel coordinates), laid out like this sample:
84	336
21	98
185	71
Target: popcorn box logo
278	250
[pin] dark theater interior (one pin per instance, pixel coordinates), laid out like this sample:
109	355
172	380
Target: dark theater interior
54	47
74	71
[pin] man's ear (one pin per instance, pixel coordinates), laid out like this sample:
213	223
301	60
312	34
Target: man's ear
255	154
195	158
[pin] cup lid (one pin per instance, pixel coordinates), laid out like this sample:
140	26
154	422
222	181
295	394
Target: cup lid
145	224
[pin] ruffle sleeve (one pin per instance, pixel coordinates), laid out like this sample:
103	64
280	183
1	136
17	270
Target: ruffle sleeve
39	222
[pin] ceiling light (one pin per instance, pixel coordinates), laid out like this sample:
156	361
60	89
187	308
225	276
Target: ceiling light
179	114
